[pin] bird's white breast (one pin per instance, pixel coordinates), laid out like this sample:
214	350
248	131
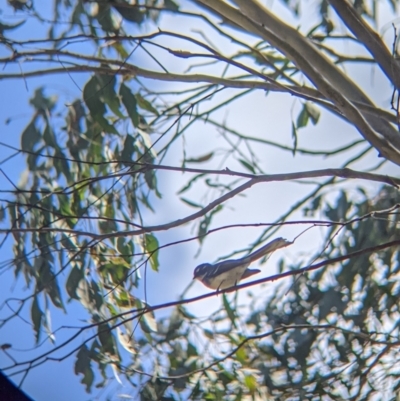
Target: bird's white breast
227	279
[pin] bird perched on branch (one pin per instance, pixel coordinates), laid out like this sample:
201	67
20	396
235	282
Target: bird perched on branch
228	273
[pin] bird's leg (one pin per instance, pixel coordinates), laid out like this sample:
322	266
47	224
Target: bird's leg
219	287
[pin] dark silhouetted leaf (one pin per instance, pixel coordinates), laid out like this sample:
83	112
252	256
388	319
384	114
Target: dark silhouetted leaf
200	159
83	365
145	104
247	165
30	137
129	101
36	316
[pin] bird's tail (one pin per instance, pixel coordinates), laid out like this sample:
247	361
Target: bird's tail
249	273
268	248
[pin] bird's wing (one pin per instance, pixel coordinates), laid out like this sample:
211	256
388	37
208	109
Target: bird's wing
227	265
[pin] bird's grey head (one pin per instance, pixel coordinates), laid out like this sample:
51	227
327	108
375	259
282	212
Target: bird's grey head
201	270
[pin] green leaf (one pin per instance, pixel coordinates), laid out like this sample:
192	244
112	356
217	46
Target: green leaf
2	213
230	312
36	316
48	136
105	125
251	383
54	292
144	199
171	5
132	14
126	249
342	206
145	104
128	149
61	165
108	94
186	313
241	355
149	157
83	365
30	137
313	112
205	223
190	203
7	27
65	209
47	325
294	136
75	276
151	246
302	118
92	98
129	101
106	339
200	159
126	340
41	102
118	46
106	19
150	178
20	4
47	280
148	321
247	165
191	181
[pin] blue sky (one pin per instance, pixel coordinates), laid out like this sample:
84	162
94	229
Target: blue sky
269	116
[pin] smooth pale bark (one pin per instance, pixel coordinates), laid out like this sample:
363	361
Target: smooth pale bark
254	18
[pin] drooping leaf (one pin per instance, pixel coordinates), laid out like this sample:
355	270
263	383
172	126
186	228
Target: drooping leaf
46	320
48	136
313	112
191	181
145	104
75	276
251	383
247	165
147	321
83	364
8	27
190	203
230	312
302	118
126	340
107	92
171	5
36	316
294	136
151	246
107	18
92	98
200	159
130	12
129	101
30	137
41	102
206	221
106	339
